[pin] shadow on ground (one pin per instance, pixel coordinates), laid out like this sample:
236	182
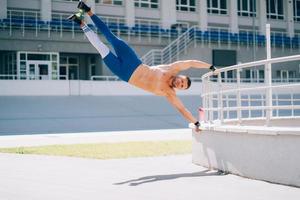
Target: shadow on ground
155	178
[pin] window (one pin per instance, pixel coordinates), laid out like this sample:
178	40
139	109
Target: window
275	9
217	7
186	5
247	8
146	3
297	10
254	75
69	67
92	62
110	2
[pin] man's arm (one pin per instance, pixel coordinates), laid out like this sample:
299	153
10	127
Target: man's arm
186	64
181	108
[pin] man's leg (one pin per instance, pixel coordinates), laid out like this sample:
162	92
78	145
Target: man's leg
103	28
111	61
95	41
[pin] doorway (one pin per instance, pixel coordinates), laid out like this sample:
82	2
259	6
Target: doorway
39	70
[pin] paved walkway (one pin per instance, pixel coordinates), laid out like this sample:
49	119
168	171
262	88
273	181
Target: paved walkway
31	177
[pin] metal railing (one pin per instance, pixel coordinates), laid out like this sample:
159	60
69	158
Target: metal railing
221	102
31	77
243	101
105	78
172	51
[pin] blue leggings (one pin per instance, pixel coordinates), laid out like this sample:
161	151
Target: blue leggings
126	61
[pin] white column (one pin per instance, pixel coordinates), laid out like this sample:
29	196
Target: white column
268	76
168	13
202	7
262	14
234	28
290	19
129	13
3	9
46	10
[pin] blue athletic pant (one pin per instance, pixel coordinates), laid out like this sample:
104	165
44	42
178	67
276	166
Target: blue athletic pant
124	63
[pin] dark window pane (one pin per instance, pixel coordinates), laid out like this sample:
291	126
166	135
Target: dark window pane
184	8
272	6
192	3
245	4
38	57
223	4
208	3
144	5
22	56
214	3
280	7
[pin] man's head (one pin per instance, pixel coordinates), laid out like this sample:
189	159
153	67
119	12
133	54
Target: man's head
181	82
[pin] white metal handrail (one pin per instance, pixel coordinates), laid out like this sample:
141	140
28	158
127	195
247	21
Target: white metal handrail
256	63
217	104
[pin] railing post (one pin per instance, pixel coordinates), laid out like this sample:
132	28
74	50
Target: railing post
239	103
204	104
268	77
220	99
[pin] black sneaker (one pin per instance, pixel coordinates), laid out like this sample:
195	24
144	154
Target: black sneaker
81	5
77	19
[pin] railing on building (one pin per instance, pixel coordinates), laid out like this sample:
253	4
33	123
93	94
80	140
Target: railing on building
31	77
105	78
28	21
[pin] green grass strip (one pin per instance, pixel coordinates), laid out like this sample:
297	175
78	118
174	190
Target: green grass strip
108	150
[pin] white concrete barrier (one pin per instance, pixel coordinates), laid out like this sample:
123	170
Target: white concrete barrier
77	88
265	153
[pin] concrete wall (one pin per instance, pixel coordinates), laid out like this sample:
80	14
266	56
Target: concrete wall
257	155
75	87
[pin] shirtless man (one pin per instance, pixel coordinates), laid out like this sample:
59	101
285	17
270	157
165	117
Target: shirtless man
161	80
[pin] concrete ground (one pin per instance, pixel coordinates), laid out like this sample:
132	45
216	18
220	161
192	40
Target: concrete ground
35	177
31	177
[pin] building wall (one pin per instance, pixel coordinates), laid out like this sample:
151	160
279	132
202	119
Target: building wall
66	42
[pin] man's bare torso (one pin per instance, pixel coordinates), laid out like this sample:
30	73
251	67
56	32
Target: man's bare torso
154	79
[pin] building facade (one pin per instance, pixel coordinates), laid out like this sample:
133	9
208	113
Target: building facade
37	42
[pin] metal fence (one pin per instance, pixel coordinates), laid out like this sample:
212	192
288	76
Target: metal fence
240	101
